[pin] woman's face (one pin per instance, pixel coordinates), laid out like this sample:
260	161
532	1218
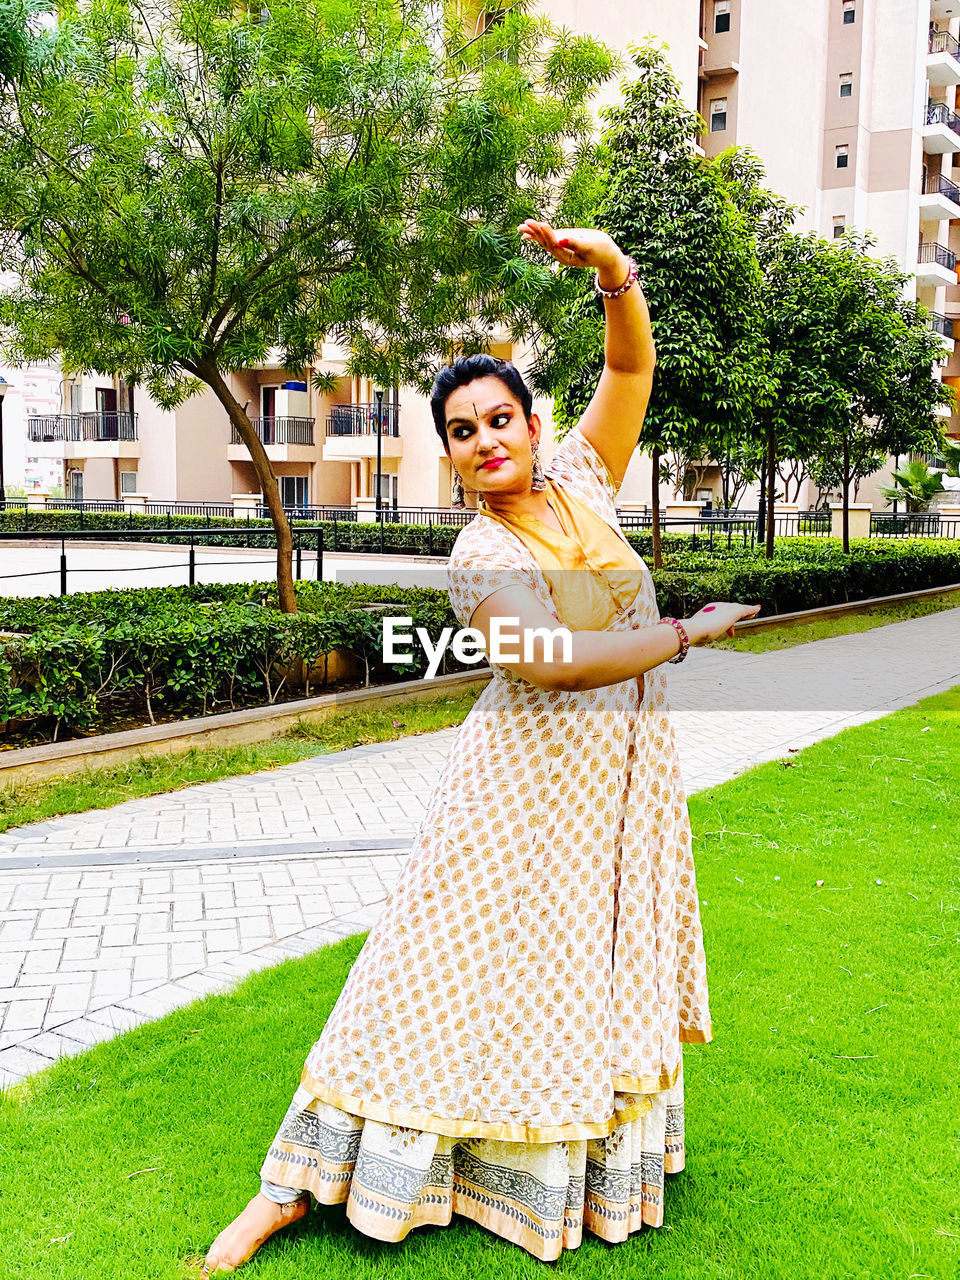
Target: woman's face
488	438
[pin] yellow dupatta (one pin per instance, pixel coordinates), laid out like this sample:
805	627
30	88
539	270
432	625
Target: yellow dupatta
592	571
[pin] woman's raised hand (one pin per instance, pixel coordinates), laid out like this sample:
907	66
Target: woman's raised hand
576	246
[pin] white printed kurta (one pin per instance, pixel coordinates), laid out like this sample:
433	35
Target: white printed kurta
508	1043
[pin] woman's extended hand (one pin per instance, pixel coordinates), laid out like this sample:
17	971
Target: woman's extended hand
579	247
716	620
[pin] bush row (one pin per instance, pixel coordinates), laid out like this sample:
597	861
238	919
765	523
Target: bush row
76	663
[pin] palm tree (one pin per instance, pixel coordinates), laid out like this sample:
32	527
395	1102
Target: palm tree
914	485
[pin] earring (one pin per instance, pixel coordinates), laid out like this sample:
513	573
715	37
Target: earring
456	491
538	480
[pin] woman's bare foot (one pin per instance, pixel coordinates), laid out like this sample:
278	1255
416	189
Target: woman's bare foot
249	1230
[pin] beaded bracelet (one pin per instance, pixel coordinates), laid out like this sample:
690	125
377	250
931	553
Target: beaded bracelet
684	639
617	293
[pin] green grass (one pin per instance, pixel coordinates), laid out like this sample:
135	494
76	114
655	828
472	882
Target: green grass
823	1121
154	775
806	632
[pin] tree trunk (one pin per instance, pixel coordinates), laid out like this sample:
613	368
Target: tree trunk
655	509
846	495
771	486
268	482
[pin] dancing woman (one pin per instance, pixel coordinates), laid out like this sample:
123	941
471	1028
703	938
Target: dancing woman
508	1044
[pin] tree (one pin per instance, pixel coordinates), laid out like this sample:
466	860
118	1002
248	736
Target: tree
849	358
668	208
878	356
189	186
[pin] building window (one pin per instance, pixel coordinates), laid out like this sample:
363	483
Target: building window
718	115
849	12
843	155
128	482
293	491
846	85
721	16
839	226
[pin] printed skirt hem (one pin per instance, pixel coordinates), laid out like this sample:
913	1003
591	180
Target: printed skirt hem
539	1195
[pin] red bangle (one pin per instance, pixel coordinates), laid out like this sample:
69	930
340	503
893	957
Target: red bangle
684	639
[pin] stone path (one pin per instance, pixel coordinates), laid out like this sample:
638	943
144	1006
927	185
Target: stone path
116	916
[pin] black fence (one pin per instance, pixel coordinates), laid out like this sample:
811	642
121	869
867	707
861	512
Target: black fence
308	549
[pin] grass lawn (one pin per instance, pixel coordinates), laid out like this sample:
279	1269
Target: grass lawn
822	1121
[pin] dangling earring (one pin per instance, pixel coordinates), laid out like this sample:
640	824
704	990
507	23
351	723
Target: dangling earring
456	491
538	480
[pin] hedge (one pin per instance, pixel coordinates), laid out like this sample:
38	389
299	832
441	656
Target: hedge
77	663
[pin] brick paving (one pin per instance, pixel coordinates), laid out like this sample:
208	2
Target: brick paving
116	916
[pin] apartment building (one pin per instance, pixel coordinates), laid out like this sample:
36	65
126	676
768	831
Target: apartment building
851	104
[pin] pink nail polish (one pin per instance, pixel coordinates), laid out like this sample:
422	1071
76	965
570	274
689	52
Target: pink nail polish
708	608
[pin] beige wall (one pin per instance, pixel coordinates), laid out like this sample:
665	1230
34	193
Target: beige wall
203	472
618	23
158	430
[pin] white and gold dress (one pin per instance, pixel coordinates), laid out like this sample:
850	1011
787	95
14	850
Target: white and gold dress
507	1045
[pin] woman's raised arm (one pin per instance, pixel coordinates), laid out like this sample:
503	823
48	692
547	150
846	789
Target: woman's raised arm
612	419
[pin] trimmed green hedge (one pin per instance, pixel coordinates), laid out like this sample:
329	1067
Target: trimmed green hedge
78	663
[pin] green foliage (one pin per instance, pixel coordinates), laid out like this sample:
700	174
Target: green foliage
73	663
806	573
669	209
335	171
914	485
338	535
185	191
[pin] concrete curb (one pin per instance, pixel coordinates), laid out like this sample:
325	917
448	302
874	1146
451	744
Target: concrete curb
229	729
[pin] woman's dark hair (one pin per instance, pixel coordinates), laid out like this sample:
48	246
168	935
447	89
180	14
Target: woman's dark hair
466	369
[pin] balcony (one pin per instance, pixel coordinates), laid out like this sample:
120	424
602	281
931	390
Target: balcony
936	265
351	433
285	440
943	59
941	130
939	199
944	326
87	435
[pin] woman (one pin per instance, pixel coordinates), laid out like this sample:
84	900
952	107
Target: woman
508	1043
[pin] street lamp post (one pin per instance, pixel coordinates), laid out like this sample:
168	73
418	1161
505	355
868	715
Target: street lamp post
379	395
4	384
896	467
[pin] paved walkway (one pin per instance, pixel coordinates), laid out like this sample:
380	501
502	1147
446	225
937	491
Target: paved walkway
116	916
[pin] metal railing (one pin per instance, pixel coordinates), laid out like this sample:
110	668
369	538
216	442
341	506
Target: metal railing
84	504
82	426
709	527
279	431
941	324
935	183
912	524
944	42
939	253
940	113
361	420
